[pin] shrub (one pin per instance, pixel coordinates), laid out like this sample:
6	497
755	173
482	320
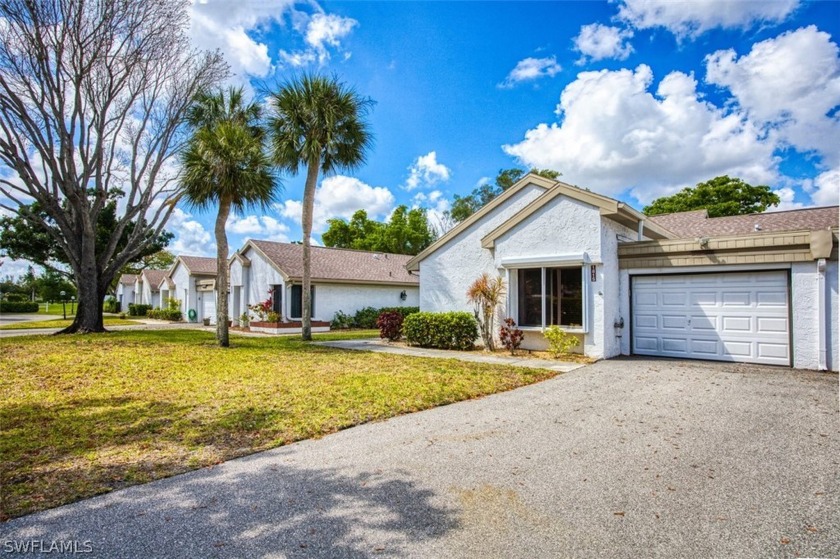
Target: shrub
122	316
365	318
404	311
559	341
111	305
170	314
341	321
390	325
18	306
447	330
16	297
272	316
510	335
138	310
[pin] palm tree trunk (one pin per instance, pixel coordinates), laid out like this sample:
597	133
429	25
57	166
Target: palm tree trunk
306	224
222	334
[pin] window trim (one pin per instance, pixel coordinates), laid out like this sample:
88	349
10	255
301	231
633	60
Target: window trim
512	267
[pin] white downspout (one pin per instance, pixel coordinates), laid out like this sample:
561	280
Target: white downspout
641	236
821	321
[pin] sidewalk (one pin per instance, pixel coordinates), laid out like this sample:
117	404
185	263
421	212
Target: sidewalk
381	346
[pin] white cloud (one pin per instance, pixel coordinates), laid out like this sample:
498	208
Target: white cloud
426	172
262	227
225	26
340	197
615	135
825	188
786	196
790	84
322	32
437	206
597	42
693	18
191	236
530	69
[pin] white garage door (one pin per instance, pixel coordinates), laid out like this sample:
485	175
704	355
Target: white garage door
209	307
726	317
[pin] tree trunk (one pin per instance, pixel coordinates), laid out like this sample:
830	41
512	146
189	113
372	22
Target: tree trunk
90	299
222	334
306	224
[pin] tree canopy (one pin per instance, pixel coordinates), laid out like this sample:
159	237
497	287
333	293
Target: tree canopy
406	232
464	206
720	196
93	97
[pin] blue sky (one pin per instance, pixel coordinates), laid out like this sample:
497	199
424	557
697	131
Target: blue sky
628	98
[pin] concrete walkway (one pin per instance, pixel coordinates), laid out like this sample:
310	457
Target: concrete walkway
382	346
621	459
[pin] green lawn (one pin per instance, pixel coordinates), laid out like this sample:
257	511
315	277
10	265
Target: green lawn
61	323
55	309
83	415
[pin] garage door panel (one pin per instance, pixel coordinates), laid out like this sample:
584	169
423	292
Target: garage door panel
728	316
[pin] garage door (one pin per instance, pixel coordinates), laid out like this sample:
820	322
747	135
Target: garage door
726	317
209	307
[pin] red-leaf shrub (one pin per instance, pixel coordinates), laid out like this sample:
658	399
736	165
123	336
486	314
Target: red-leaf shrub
390	325
510	335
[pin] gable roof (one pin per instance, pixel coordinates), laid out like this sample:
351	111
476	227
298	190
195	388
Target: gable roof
609	207
198	265
697	223
153	277
529	179
128	279
336	265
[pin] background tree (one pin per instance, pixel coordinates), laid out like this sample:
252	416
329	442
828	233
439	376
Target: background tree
464	206
406	232
319	123
92	99
226	164
50	284
720	196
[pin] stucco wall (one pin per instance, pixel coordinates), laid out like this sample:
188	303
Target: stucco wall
183	281
805	296
349	298
611	290
833	323
447	272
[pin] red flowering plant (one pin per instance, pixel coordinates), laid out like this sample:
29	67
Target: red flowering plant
263	309
510	335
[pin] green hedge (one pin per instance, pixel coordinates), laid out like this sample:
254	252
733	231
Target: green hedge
366	318
138	310
446	330
173	315
18	306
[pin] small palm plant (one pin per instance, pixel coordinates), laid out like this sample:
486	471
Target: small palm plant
486	294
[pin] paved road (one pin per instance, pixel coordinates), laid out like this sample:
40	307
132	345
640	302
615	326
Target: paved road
625	458
13	318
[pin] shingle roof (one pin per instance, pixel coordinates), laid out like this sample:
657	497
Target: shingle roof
697	223
128	279
336	264
154	277
199	264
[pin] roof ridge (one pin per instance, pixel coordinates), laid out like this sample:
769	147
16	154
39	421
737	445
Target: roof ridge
335	248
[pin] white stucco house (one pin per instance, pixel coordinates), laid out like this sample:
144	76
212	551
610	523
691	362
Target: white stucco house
192	280
342	280
125	290
755	288
147	287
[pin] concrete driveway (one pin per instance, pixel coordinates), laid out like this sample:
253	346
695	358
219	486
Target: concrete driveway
625	458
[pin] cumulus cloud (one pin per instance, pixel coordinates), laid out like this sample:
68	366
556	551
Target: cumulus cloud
256	226
597	42
437	207
340	197
695	17
825	188
789	84
322	32
614	134
191	236
426	172
786	196
530	69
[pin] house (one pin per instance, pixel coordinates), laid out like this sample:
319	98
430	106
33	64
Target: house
192	281
342	280
147	287
125	290
758	288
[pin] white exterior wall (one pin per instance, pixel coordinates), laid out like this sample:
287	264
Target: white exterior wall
562	227
349	298
125	295
262	276
833	319
615	298
184	290
446	273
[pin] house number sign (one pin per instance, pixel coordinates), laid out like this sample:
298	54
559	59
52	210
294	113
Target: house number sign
592	273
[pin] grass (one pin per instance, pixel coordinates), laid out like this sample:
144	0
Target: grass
83	415
61	323
55	309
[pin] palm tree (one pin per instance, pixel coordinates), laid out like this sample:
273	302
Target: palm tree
319	123
225	163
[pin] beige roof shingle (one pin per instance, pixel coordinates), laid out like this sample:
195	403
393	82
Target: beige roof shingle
128	279
336	264
154	277
698	224
199	264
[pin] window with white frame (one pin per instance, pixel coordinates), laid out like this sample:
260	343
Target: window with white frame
549	296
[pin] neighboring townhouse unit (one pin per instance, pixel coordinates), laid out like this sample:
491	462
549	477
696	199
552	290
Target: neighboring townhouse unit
342	280
756	288
192	280
125	290
147	287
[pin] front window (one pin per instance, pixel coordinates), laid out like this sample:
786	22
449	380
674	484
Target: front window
297	301
550	296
